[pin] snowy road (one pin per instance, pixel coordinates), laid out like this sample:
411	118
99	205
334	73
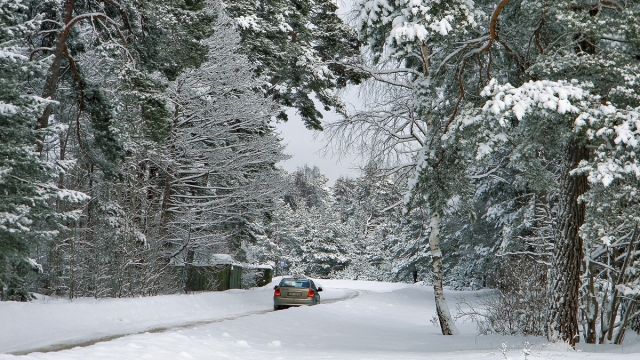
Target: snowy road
57	324
347	295
84	343
379	321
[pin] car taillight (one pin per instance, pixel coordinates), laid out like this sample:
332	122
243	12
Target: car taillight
311	293
277	293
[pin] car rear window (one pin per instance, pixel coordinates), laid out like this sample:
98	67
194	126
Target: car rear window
294	283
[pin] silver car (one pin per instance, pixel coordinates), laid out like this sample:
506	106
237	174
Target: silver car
295	291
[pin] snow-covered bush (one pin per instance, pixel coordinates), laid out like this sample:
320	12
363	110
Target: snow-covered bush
517	306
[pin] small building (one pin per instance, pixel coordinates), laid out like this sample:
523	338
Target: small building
218	272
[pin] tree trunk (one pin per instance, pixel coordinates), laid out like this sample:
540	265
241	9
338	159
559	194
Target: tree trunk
564	301
53	75
591	309
628	308
616	299
447	325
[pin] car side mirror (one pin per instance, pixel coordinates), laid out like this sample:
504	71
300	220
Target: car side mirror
319	289
276	287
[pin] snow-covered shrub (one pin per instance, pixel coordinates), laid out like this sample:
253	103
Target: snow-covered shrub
517	307
250	277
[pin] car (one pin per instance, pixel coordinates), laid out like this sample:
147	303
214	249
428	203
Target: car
295	291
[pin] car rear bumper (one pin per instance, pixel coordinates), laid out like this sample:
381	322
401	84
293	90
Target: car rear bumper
292	302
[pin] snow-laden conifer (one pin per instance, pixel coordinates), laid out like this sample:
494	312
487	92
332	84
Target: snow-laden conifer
298	47
222	151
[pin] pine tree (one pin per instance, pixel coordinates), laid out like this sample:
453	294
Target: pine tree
586	101
298	47
560	134
115	123
222	152
369	210
24	188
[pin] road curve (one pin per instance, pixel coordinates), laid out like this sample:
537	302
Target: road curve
69	345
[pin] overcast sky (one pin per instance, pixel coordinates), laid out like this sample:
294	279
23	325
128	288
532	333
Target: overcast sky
306	147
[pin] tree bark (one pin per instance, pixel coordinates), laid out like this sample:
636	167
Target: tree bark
631	306
447	325
53	75
591	311
616	299
564	301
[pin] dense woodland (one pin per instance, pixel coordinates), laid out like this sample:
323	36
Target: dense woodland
502	141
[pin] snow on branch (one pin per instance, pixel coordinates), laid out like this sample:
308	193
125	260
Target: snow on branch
556	96
613	132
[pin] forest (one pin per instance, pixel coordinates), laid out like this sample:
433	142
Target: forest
501	142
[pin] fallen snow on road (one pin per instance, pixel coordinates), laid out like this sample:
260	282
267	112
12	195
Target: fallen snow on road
386	321
55	323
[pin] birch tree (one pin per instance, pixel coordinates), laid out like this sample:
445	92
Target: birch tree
402	37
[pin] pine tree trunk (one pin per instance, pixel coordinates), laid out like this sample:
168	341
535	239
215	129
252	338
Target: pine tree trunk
568	252
447	325
53	75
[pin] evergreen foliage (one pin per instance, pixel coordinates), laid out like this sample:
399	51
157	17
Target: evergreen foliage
28	219
137	140
119	126
22	175
529	162
223	151
299	48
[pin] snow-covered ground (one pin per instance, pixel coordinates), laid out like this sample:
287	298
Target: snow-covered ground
384	321
54	323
